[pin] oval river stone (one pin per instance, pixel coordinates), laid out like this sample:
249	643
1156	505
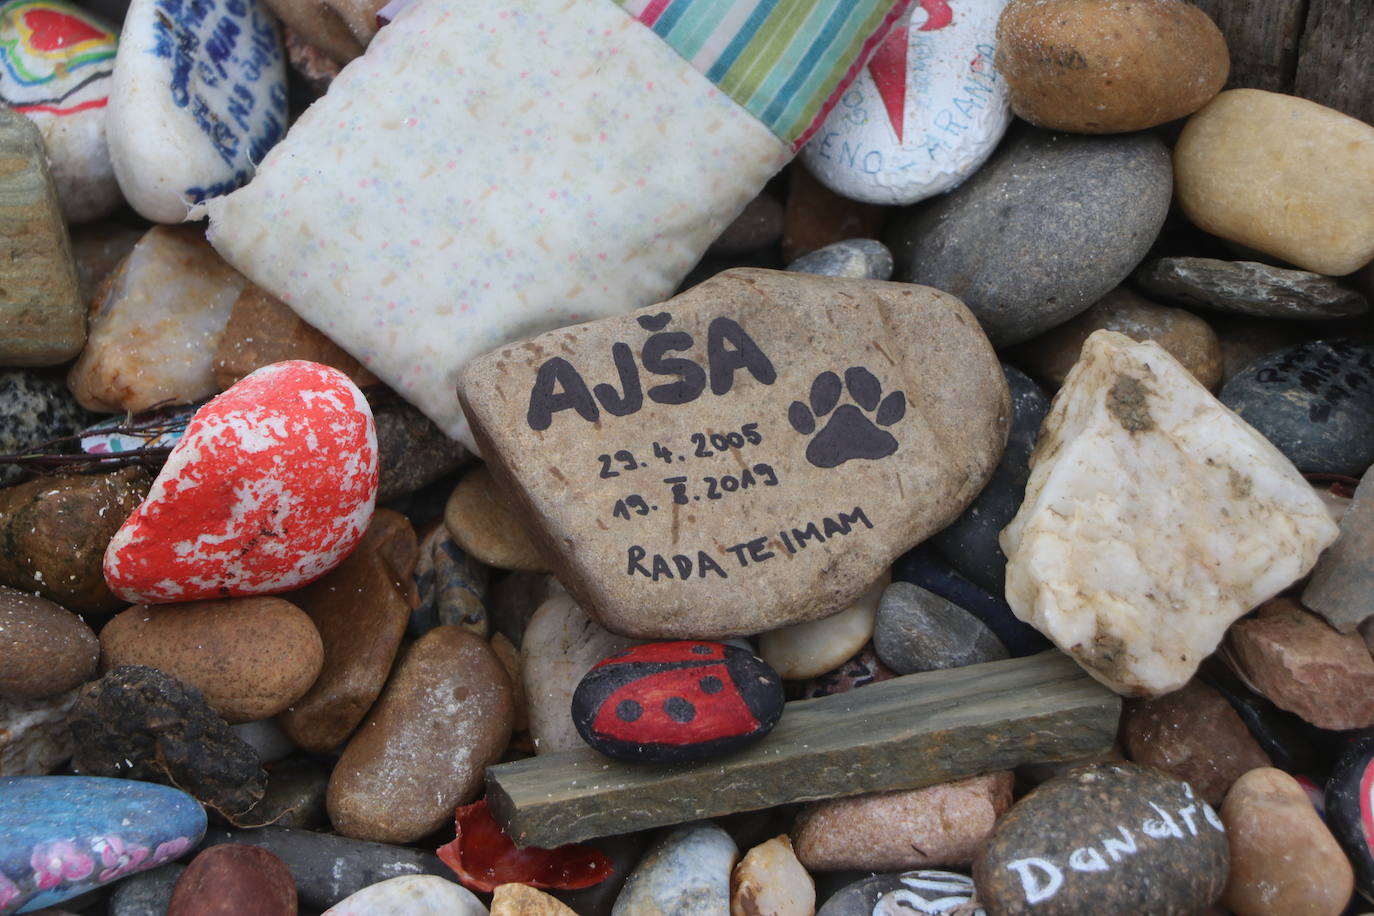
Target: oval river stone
668	702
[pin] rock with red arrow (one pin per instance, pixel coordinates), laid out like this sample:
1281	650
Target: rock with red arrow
924	114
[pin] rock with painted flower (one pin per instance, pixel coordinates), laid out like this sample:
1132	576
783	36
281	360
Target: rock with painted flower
271	486
198	98
57	61
61	836
924	114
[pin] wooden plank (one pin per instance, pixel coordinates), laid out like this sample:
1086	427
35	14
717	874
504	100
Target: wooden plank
907	732
1336	57
1263	36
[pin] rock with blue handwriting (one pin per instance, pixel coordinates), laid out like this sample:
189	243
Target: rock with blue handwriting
61	836
924	114
198	98
750	454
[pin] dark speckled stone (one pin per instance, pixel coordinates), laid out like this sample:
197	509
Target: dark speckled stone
1046	228
1250	288
35	406
1314	401
1108	839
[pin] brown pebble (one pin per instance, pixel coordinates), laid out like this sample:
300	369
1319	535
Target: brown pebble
816	216
263	330
360	609
1101	66
1284	861
1194	735
44	649
1304	666
444	716
234	880
54	531
1188	338
250	657
483	525
934	826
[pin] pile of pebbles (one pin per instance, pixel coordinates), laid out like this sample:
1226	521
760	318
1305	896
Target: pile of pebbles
1166	402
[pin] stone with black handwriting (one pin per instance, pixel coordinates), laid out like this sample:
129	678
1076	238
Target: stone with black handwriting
750	454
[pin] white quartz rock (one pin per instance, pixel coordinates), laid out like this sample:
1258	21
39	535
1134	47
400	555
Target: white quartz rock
1153	518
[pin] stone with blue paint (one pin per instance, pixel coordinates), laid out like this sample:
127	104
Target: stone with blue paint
61	836
198	97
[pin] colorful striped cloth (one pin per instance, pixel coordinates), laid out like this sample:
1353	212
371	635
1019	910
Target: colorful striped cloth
785	61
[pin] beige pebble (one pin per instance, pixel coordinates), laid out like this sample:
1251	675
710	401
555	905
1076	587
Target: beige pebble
1284	861
806	650
523	900
483	524
769	881
1283	175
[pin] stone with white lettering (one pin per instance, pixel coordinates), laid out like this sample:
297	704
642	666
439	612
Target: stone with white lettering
1153	519
1109	838
750	454
924	114
197	99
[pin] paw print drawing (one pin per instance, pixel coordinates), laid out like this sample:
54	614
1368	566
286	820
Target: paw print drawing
849	433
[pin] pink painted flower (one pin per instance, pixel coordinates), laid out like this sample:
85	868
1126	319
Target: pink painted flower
169	850
118	858
9	891
59	861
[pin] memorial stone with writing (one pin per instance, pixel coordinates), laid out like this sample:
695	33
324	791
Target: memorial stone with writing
923	115
1109	838
198	98
750	454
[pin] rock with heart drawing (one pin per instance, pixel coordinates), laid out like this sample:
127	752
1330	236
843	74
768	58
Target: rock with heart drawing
924	114
271	486
750	454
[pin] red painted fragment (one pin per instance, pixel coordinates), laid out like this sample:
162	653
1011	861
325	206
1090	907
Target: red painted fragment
484	857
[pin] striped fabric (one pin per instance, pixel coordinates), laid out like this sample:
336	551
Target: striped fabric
785	61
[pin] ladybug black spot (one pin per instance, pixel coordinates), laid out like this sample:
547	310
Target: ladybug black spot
628	710
701	650
711	684
679	710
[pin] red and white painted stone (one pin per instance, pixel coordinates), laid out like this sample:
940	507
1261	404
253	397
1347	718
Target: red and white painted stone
271	486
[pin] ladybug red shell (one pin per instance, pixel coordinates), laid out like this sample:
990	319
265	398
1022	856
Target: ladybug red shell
677	701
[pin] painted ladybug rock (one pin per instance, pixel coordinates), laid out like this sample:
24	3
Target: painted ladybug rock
271	486
669	702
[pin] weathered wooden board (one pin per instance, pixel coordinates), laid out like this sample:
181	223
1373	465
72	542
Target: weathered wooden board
907	732
1263	36
1336	57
